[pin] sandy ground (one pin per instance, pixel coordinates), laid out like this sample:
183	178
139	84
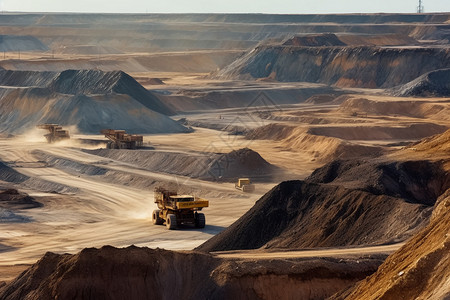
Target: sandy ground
105	212
112	213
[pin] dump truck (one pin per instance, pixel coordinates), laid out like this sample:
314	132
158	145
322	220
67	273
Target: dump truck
56	132
174	209
119	139
245	185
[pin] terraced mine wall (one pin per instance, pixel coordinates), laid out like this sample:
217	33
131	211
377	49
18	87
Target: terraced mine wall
181	32
368	67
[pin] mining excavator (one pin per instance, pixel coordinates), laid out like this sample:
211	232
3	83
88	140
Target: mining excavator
56	133
245	185
119	139
174	209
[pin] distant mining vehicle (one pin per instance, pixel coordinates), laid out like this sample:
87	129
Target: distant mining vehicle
119	139
177	209
245	185
56	132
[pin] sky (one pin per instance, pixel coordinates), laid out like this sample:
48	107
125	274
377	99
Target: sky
225	6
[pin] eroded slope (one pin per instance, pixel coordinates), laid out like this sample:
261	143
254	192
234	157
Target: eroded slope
418	270
91	100
142	273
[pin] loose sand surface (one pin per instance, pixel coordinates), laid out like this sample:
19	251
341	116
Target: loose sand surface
102	212
115	206
87	200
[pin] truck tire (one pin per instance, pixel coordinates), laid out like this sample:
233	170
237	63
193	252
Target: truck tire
200	220
171	221
156	219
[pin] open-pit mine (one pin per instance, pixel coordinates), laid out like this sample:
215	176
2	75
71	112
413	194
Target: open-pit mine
287	156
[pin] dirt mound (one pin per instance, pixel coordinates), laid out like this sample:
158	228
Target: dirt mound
26	78
110	273
84	82
243	163
418	270
436	143
314	40
98	82
88	99
89	114
341	99
326	148
320	99
21	43
142	273
416	109
154	81
369	67
10	175
434	148
13	199
417	181
297	214
322	148
271	131
14	178
344	203
432	84
209	166
411	132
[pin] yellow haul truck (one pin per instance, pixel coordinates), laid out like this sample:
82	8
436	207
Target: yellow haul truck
177	209
56	132
245	185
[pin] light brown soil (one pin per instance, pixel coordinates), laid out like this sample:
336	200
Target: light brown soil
418	270
142	273
8	273
91	200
